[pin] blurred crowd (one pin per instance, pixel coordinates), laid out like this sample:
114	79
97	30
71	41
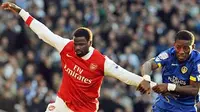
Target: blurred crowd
127	31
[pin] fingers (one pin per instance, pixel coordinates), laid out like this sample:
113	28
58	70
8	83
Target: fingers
148	91
10	6
159	89
6	6
156	89
143	89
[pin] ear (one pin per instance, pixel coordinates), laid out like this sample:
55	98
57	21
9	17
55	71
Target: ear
193	46
174	43
90	43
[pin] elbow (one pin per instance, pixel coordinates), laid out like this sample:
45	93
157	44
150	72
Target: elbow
40	34
195	92
143	65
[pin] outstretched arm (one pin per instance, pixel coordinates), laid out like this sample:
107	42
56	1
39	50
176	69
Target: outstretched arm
40	29
163	88
114	70
192	89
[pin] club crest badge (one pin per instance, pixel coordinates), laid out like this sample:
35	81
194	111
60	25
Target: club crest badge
93	66
184	69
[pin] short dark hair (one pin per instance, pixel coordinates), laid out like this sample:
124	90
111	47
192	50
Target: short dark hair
185	35
83	32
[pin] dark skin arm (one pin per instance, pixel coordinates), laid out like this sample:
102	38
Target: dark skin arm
191	89
147	68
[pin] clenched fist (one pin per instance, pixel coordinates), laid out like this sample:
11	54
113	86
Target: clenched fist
144	87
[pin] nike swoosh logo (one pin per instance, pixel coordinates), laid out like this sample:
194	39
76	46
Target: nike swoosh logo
68	55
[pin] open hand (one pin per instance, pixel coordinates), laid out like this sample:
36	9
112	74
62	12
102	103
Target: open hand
11	6
144	87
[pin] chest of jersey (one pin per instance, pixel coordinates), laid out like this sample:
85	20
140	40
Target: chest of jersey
174	72
79	70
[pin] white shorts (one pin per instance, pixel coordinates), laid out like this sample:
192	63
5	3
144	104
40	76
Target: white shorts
58	106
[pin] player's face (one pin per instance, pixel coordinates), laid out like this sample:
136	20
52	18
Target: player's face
183	49
81	46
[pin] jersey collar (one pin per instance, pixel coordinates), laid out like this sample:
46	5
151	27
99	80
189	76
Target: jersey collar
89	54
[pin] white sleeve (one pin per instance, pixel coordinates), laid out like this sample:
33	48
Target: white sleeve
114	70
44	33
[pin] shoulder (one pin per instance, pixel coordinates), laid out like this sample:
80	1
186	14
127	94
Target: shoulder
169	53
98	56
68	47
98	53
195	55
195	59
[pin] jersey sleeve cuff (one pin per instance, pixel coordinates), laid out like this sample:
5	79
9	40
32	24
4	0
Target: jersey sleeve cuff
24	14
147	77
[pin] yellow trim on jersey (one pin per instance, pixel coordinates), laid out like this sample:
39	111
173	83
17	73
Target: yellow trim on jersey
192	78
159	65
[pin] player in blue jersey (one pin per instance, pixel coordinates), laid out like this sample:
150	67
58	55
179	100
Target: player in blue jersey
180	74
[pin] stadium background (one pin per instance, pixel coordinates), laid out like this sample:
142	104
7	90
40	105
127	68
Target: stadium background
128	31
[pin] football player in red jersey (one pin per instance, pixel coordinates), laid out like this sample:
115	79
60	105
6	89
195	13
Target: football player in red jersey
83	67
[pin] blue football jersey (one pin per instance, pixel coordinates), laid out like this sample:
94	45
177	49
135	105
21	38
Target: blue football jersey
180	74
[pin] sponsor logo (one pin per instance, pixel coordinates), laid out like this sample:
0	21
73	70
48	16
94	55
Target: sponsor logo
157	59
174	64
76	73
162	56
65	66
68	55
177	81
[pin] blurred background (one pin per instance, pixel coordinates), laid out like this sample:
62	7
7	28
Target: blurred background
128	31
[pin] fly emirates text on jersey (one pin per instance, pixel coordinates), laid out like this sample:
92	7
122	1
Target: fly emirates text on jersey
77	74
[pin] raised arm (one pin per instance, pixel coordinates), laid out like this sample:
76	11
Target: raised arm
114	70
40	29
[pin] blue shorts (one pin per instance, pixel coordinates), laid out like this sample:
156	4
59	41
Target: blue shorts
164	106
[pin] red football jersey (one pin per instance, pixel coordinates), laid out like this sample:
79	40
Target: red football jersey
82	79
